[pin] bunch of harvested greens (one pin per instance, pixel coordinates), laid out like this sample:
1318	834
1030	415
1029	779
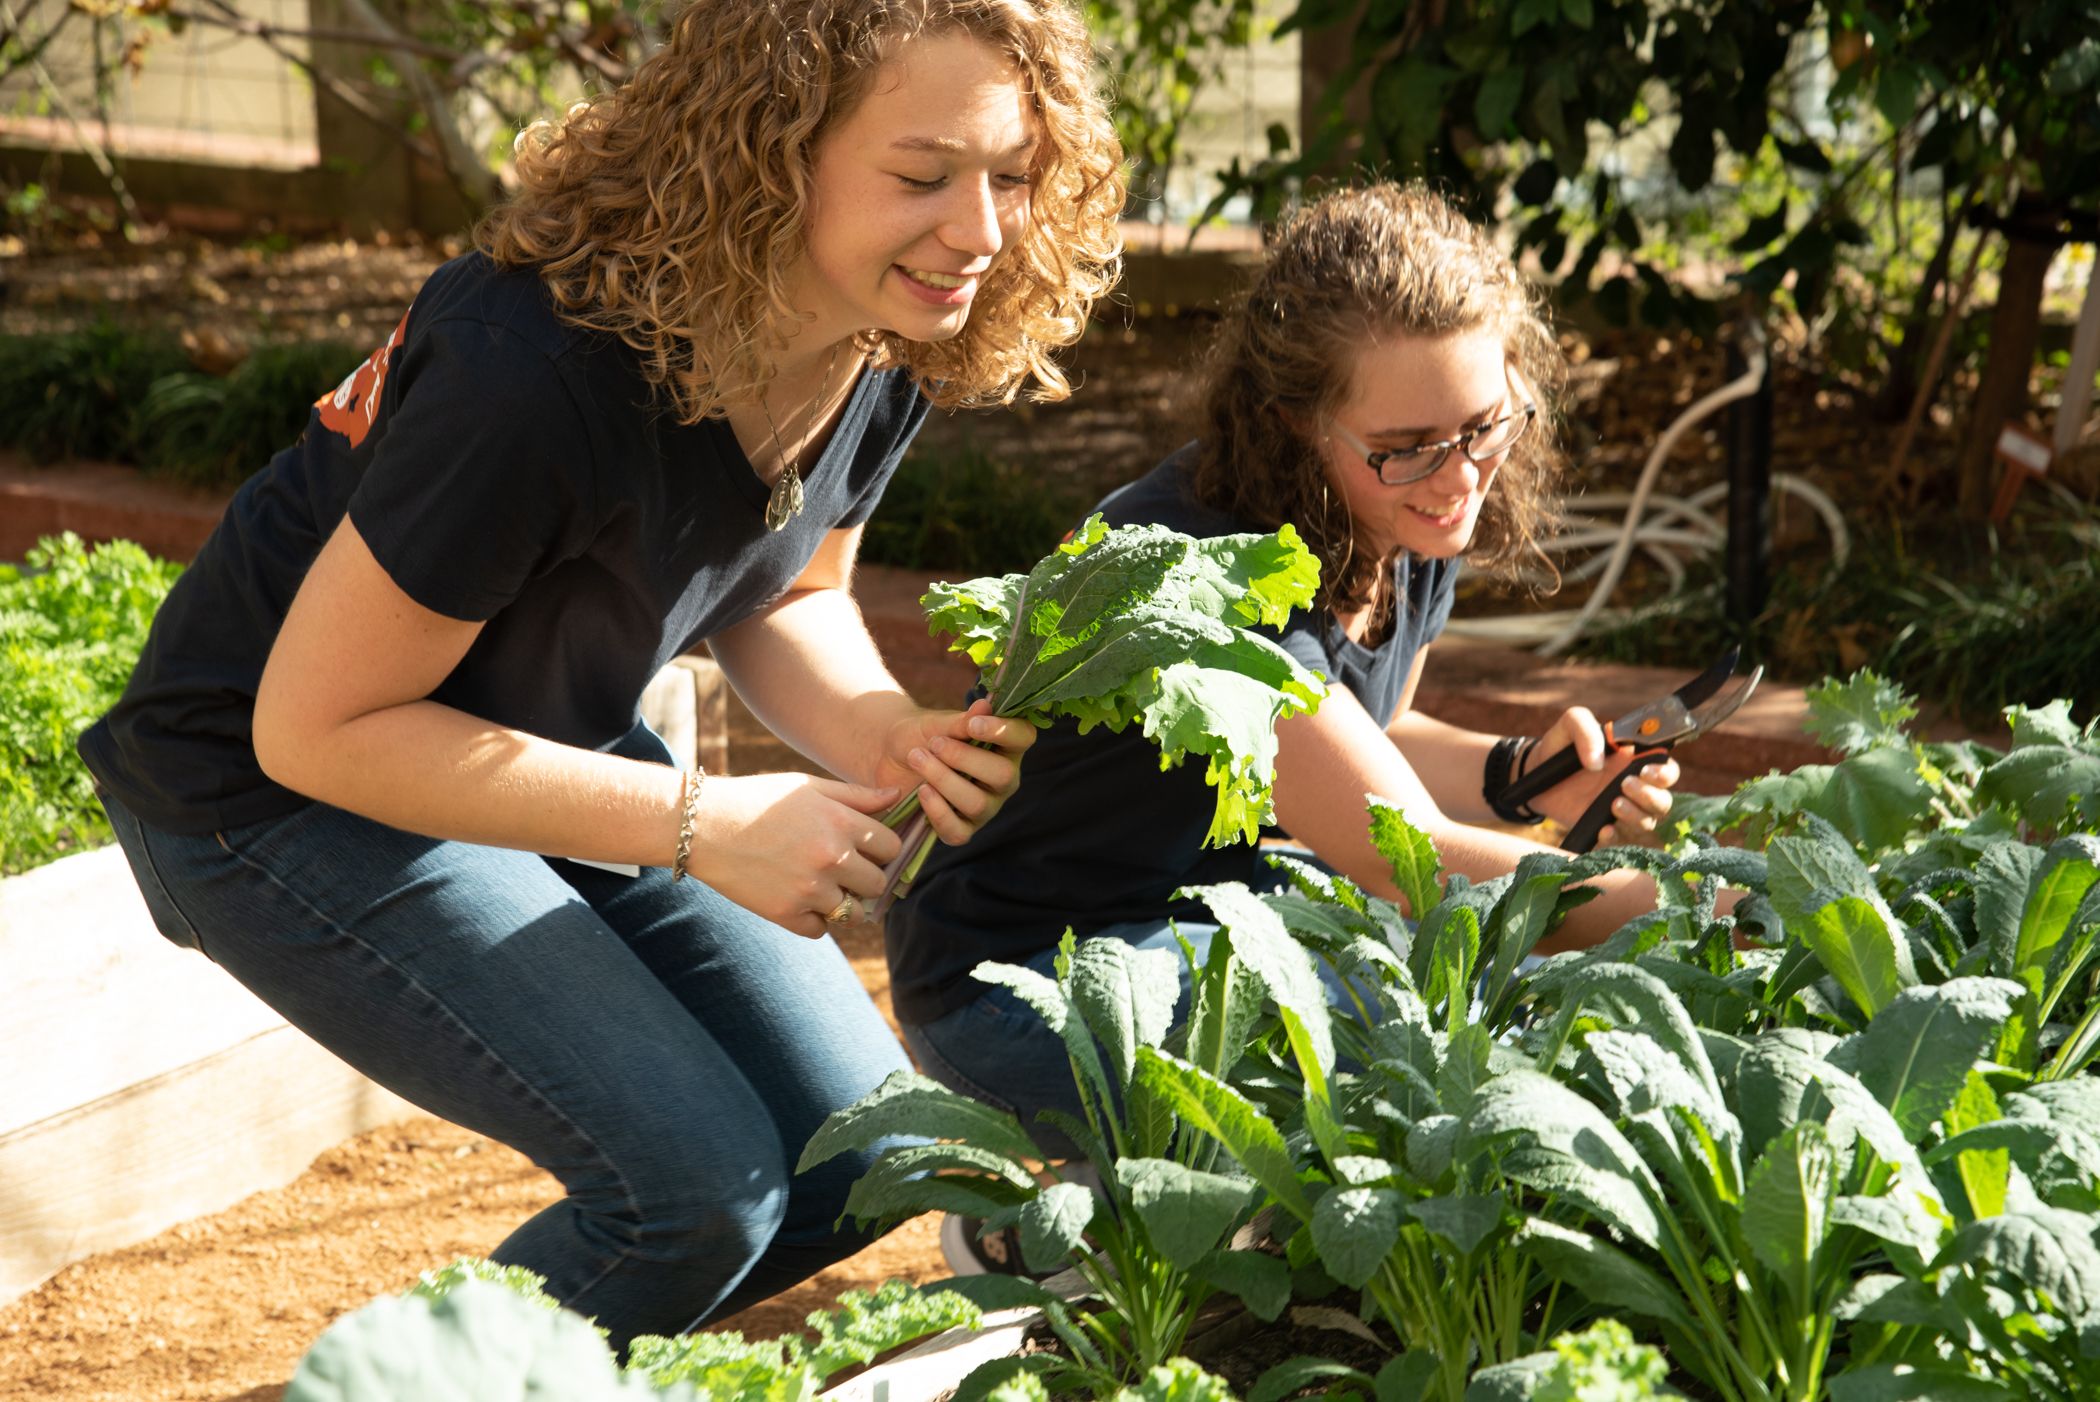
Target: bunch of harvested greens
1139	623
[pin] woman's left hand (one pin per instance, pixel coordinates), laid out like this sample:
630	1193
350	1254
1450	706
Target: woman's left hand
1643	799
961	782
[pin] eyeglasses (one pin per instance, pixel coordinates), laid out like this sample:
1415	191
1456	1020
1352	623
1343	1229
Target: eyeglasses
1480	445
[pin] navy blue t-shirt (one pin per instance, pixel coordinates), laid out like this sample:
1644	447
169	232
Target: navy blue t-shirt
1098	834
504	467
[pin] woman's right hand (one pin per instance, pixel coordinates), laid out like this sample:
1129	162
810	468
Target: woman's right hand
790	847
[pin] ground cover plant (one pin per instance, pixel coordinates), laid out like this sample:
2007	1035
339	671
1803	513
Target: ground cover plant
478	1330
1831	1135
73	394
216	430
72	621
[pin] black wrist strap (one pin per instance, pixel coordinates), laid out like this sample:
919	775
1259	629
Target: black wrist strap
1504	759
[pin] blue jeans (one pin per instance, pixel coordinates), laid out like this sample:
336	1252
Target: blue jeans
660	1050
997	1049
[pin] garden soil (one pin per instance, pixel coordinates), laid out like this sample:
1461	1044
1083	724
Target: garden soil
221	1308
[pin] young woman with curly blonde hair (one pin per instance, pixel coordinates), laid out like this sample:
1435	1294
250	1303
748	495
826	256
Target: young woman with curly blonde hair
1387	385
382	759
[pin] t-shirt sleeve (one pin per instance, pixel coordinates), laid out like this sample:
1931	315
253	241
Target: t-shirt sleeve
481	478
1442	595
897	423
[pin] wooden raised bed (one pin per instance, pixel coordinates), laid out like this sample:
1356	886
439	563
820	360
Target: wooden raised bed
139	1085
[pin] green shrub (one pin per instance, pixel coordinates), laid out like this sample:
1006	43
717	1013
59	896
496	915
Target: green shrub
968	513
71	626
214	431
129	396
75	395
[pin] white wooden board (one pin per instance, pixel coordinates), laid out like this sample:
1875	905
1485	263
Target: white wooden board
186	1144
140	1086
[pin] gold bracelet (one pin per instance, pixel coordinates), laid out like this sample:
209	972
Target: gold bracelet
689	804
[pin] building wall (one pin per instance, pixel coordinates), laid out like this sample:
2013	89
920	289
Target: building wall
206	94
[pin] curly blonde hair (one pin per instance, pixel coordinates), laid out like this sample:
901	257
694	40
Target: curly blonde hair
1358	266
671	211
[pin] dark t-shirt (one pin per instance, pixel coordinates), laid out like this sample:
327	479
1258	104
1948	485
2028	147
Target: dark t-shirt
502	466
1098	834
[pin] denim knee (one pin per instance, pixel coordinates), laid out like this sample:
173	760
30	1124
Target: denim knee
678	1210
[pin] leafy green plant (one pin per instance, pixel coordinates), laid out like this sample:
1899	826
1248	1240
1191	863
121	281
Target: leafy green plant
860	1327
1603	1363
478	1340
476	1329
1153	1243
1178	1381
1724	1176
1833	1107
1349	1122
1739	1206
1982	863
2015	1285
435	1285
1871	1184
71	625
1139	624
1834	1138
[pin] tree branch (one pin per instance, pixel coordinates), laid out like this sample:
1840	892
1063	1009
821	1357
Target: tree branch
95	149
350	97
471	176
262	29
36	51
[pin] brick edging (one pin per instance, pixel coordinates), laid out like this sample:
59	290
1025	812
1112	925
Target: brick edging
102	501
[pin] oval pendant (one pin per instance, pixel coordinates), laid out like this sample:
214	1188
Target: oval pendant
786	502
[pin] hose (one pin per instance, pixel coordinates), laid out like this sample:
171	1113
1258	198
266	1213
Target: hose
1677	524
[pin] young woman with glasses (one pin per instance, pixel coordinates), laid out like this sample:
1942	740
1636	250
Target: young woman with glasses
1385	386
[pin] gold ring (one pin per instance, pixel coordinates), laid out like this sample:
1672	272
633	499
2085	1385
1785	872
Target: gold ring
843	910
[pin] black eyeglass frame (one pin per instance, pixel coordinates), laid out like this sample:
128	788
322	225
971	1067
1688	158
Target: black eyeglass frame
1377	458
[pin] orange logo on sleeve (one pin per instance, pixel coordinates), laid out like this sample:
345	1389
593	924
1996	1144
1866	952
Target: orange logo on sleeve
350	408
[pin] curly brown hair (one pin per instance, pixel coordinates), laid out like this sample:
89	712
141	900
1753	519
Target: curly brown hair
671	211
1357	266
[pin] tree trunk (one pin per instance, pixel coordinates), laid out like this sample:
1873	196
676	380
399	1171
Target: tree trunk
1900	386
1324	55
2008	363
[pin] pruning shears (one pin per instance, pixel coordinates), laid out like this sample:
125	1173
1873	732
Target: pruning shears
1651	729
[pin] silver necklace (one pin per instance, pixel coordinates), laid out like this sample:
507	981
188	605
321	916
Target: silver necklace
786	501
